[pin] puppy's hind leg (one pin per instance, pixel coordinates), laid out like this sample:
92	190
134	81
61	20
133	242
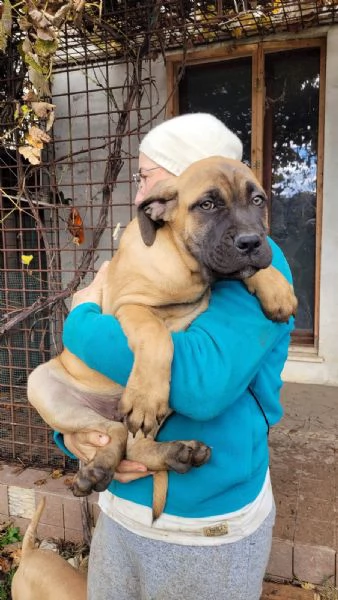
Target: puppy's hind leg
98	473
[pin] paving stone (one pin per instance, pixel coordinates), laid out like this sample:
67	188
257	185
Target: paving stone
4	499
72	514
53	511
315	564
281	559
50	531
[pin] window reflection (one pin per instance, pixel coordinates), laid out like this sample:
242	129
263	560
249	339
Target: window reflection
290	151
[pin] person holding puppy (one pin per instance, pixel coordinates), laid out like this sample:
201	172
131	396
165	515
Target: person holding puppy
214	537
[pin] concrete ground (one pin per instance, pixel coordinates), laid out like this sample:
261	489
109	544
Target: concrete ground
304	471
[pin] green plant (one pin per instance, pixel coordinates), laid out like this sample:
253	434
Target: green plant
10	535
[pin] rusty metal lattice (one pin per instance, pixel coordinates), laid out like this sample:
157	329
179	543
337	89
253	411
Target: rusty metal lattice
59	219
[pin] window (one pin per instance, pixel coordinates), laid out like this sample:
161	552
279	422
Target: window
271	96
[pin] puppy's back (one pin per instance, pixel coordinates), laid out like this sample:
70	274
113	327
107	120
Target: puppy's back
44	575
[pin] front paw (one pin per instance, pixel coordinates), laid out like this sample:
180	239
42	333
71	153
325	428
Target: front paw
143	411
280	303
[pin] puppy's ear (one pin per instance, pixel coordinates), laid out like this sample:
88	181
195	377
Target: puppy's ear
155	209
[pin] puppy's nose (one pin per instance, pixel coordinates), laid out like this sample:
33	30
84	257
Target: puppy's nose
247	243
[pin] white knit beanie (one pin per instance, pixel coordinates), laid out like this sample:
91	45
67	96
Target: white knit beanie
177	143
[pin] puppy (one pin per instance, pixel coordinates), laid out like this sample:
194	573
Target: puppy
44	575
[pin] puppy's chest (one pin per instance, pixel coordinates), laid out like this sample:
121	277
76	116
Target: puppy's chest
150	278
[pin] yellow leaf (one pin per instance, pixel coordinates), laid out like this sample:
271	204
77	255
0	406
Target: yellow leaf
26	259
307	586
56	474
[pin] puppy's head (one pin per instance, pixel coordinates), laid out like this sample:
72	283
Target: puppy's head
218	209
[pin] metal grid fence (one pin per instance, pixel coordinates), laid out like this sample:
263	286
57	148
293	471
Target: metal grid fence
59	219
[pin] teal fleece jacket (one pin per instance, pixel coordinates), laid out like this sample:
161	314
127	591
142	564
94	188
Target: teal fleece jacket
228	349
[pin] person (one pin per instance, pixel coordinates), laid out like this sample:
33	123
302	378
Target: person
214	538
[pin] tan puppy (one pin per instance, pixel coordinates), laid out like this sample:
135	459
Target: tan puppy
44	575
207	224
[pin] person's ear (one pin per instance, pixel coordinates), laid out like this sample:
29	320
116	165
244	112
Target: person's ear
156	209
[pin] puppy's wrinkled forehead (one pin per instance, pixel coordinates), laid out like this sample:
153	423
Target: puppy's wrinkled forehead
233	180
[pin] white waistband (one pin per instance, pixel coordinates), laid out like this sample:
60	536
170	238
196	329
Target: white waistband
221	529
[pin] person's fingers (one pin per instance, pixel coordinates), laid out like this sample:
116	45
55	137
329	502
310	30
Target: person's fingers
84	445
130	466
74	446
128	477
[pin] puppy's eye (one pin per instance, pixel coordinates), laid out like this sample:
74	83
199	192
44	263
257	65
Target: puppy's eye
258	200
207	205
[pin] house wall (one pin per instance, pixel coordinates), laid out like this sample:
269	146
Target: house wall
316	366
322	367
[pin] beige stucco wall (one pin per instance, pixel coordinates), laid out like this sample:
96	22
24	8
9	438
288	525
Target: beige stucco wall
322	366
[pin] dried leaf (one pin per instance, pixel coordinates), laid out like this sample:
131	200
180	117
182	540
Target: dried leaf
79	5
26	46
61	14
5	564
50	120
16	556
42	109
5	24
47	35
307	586
33	62
75	226
56	474
38	18
30	96
39	82
32	154
45	48
68	481
40	482
36	137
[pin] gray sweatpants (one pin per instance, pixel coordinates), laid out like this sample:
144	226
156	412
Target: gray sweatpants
125	566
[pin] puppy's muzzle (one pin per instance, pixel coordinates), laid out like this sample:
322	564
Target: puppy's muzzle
247	243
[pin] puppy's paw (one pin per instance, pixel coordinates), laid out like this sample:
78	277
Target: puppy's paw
184	455
143	411
280	304
91	478
275	294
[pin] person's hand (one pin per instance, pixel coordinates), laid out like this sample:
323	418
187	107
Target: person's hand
84	446
93	291
130	470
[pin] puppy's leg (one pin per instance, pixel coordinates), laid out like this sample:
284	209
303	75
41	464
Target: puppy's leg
145	399
173	456
274	292
66	408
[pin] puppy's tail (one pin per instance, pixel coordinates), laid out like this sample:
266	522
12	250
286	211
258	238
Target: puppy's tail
159	493
28	541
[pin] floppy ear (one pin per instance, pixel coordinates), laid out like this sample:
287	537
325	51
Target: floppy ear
156	209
